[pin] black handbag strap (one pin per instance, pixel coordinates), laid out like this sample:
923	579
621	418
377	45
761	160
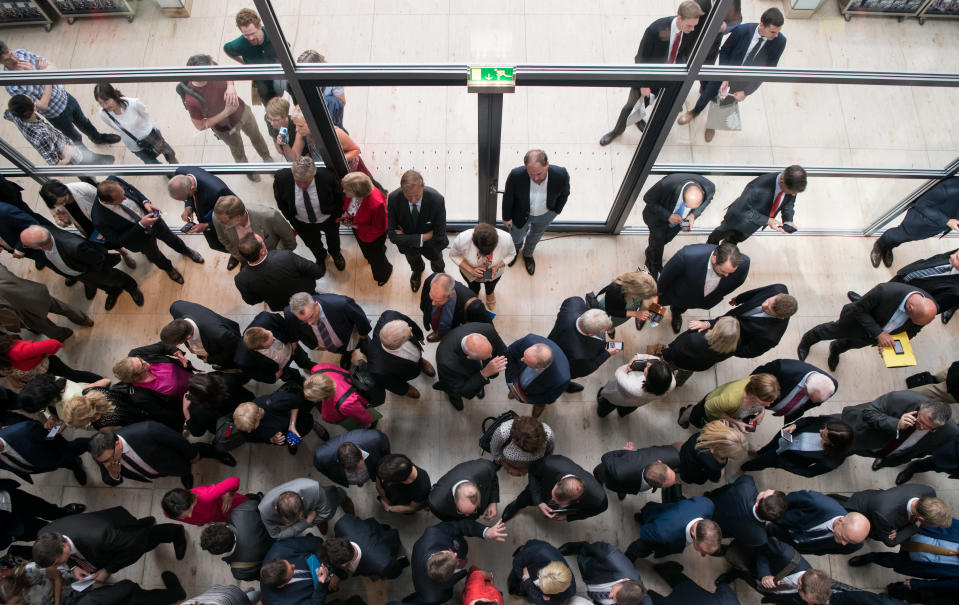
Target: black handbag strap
125	131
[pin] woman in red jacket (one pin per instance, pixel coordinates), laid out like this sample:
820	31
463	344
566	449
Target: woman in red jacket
329	386
23	360
204	504
480	588
364	209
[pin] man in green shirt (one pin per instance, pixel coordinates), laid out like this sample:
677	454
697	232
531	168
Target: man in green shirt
254	47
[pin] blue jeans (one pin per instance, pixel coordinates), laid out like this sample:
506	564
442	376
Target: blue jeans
72	114
533	230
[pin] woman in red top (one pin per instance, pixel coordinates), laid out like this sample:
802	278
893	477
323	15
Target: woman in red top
23	360
479	588
204	504
364	209
327	384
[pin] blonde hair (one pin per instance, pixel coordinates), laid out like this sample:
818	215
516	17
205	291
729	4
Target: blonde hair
318	387
723	337
124	370
764	387
277	107
357	184
247	16
689	10
637	284
247	415
255	337
723	441
81	410
554	578
934	512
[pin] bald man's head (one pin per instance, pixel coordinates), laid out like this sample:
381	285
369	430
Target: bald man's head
853	528
921	310
693	195
538	356
478	347
35	237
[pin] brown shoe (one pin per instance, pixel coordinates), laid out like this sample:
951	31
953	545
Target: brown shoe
685	118
174	275
427	368
709	134
413	393
875	255
433	337
490	301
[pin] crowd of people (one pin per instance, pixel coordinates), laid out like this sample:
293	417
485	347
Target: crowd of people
187	396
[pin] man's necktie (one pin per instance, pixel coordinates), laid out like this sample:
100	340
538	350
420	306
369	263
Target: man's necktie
799	396
751	57
415	213
674	49
435	317
812	535
776	204
300	575
894	443
324	335
129	212
133	467
931	271
82	563
308	204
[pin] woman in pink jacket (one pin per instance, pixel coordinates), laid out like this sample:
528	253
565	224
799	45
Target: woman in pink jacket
330	386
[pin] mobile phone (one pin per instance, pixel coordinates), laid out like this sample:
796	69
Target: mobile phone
292	438
788	228
187	226
751	426
285	135
614	345
897	347
155	214
786	435
685	225
487	274
53	432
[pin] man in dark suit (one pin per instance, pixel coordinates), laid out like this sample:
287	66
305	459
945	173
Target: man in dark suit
687	592
267	342
328	322
466	359
25	450
802	387
126	218
468	490
26	514
742	512
918	556
146	450
935	211
395	354
816	524
699	276
535	194
104	542
286	577
750	44
666	40
365	547
436	556
672	205
885	310
899	426
580	332
938	275
537	372
243	541
780	575
945	459
128	591
763	315
273	276
353	457
199	190
631	471
897	513
607	573
416	217
668	528
13	221
446	303
311	199
561	489
208	335
757	206
75	258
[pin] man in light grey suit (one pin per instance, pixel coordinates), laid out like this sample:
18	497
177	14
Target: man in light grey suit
291	508
26	303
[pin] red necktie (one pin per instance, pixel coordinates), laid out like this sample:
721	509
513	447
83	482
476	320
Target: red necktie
894	443
776	204
435	319
674	49
791	404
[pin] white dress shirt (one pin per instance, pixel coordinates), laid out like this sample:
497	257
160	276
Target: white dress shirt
537	197
300	207
712	279
53	255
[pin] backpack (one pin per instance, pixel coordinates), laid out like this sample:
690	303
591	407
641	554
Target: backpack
494	424
183	89
362	383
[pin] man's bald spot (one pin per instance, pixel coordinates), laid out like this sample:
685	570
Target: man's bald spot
543	355
34	235
479	346
693	195
923	311
855	527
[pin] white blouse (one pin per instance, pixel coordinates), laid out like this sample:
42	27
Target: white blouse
462	248
134	118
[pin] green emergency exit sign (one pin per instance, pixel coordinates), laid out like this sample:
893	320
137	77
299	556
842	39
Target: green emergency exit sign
490	79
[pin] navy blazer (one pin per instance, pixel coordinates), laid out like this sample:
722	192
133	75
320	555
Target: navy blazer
734	512
12	222
29	439
622	470
379	546
549	470
295	551
480	472
371	441
534	556
807	509
661	198
209	188
219	335
584	353
939	204
683	278
449	535
551	383
344	315
603	563
733	52
432	217
254	364
664	525
789	373
167	451
750	211
757	335
475	312
458	374
390	371
516	195
691	593
120	230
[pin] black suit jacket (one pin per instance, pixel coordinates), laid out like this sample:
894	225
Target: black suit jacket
371	441
109	539
252	541
256	365
295	551
874	425
551	383
866	317
750	211
164	449
789	373
220	336
698	465
13	221
734	512
209	188
683	278
78	254
622	470
807	509
654	46
690	351
276	278
757	335
662	197
458	374
29	439
480	472
328	190
601	562
432	217
462	313
516	195
886	510
584	353
807	464
343	314
547	472
120	230
943	288
449	535
392	372
379	544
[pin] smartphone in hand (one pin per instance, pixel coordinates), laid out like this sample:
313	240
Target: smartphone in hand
788	228
614	345
187	226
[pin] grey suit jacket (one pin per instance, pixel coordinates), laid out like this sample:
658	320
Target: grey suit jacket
323	500
266	222
22	300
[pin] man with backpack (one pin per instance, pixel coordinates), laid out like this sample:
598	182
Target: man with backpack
215	105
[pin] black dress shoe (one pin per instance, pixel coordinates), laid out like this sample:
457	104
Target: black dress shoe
859	561
638	517
833	359
187	480
677	323
111	301
727	578
946	316
515	258
321	431
89	291
621	496
179	544
128	261
530	264
415	280
195	256
70	281
509	512
172	583
877	464
226	459
641	125
338	261
802	351
679	419
887	258
457	402
173	274
137	297
570	548
608	138
905	474
853	296
574	387
875	255
74	508
232	263
105	139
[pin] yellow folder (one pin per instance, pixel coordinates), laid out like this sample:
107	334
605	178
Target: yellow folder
899	360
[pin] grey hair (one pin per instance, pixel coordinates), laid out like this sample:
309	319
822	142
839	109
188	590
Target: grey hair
543	355
179	186
450	282
723	337
394	333
38	230
300	302
303	167
820	383
939	411
594	321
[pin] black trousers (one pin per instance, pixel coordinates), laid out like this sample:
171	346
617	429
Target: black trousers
375	254
488	286
111	281
723	233
58	368
605	408
212	240
150	248
312	235
697	416
846	336
658	238
163	533
127	591
913	227
634	94
33	512
415	256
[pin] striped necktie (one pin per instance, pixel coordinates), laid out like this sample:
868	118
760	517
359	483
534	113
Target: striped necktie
931	271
